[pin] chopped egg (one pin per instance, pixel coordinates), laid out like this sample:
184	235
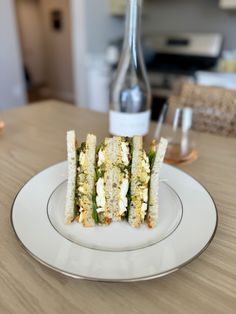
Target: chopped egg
100	198
145	195
101	157
145	163
143	210
124	187
100	210
123	199
122	207
125	152
81	189
82	158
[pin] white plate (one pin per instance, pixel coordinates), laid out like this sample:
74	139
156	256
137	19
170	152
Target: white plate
187	224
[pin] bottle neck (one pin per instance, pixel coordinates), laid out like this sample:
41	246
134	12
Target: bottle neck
133	21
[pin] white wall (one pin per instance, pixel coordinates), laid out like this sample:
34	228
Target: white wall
92	29
107	27
12	88
58	51
31	33
80	50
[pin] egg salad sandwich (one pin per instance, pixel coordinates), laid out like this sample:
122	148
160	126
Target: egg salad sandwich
80	199
114	181
113	162
156	157
139	182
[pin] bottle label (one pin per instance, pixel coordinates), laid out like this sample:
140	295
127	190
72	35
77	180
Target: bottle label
129	124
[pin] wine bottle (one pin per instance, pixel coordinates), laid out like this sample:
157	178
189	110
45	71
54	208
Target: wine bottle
130	96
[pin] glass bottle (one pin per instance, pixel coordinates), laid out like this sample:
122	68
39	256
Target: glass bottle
130	96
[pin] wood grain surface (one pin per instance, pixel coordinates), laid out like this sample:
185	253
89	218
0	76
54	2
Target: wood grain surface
34	138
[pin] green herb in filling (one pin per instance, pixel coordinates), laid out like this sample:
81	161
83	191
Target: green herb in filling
129	201
152	153
79	149
123	168
97	149
95	214
129	172
96	177
151	157
83	146
76	207
100	172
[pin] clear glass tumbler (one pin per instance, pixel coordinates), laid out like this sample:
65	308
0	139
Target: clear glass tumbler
175	125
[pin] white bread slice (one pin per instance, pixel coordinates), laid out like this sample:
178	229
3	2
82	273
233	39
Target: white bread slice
87	170
133	216
71	183
152	215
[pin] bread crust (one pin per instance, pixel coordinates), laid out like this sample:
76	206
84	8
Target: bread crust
71	183
140	175
152	215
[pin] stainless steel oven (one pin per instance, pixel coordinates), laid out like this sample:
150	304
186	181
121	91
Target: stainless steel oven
171	58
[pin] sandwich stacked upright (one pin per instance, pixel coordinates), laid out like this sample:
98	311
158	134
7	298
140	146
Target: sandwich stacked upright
112	179
81	180
115	181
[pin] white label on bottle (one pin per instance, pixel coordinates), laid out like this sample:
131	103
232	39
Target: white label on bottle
129	124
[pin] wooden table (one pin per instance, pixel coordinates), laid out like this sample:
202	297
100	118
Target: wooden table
34	138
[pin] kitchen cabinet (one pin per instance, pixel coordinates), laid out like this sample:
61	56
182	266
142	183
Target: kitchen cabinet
228	4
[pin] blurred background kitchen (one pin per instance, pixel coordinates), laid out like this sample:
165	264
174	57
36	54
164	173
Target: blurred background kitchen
68	49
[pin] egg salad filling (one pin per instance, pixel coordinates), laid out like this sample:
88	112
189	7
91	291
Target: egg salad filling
121	178
112	185
84	195
103	209
140	198
100	184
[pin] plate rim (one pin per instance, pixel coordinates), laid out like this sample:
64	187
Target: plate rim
136	279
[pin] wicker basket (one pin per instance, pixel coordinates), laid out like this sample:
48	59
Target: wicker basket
214	109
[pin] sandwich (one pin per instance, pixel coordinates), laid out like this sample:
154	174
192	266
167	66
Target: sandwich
156	157
114	181
80	197
112	184
139	182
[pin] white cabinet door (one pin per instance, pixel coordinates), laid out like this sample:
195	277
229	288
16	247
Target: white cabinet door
228	4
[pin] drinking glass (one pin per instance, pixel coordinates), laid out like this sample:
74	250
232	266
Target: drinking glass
175	125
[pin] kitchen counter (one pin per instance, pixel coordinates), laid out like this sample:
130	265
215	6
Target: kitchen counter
33	139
